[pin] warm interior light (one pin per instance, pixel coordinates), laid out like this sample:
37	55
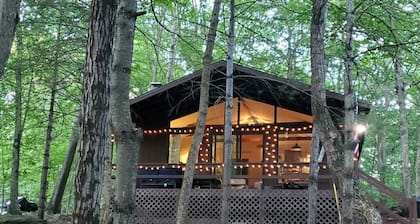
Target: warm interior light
296	148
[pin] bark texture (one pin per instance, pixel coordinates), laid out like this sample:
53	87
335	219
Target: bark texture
127	137
48	133
108	186
157	46
54	205
94	135
313	179
184	197
17	137
47	149
174	40
340	160
418	158
290	55
9	17
228	141
328	133
347	187
405	162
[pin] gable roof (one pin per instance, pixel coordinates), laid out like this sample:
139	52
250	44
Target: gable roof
181	97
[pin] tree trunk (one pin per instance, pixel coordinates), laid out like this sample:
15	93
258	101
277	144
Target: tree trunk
9	17
127	137
157	47
17	138
172	52
313	179
57	196
45	165
381	137
347	188
418	156
405	166
108	188
328	134
50	124
94	135
184	197
290	53
228	142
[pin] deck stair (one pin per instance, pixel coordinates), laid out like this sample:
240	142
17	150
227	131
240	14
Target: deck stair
389	216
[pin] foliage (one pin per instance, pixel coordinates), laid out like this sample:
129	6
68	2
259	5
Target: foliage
39	25
265	31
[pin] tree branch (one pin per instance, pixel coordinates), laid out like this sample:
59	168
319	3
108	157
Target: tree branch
387	46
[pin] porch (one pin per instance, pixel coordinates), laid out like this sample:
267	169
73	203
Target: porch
250	206
273	202
245	175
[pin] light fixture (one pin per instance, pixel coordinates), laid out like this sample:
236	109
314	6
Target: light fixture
296	148
360	129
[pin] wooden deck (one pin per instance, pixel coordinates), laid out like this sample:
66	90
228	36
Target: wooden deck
280	206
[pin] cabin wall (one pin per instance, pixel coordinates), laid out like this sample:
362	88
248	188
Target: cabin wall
154	147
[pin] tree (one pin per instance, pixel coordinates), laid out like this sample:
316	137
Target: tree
17	137
181	215
50	124
94	134
174	40
405	163
313	178
9	17
347	187
417	190
127	136
228	142
328	133
157	47
54	205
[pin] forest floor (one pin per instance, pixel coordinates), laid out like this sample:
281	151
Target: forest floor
31	217
58	219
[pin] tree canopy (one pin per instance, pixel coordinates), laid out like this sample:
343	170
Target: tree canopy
272	36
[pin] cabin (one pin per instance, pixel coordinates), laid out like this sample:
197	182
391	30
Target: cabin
272	133
271	120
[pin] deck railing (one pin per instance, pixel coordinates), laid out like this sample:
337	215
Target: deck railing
283	172
409	203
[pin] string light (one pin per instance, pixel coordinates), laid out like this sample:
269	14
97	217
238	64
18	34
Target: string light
220	129
270	166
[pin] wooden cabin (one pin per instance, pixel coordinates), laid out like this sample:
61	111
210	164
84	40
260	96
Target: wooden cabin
272	126
272	132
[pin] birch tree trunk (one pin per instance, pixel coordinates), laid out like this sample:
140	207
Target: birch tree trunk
94	135
184	197
54	205
228	142
127	136
9	17
405	166
313	179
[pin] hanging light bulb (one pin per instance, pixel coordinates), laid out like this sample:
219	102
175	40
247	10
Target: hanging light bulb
296	148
